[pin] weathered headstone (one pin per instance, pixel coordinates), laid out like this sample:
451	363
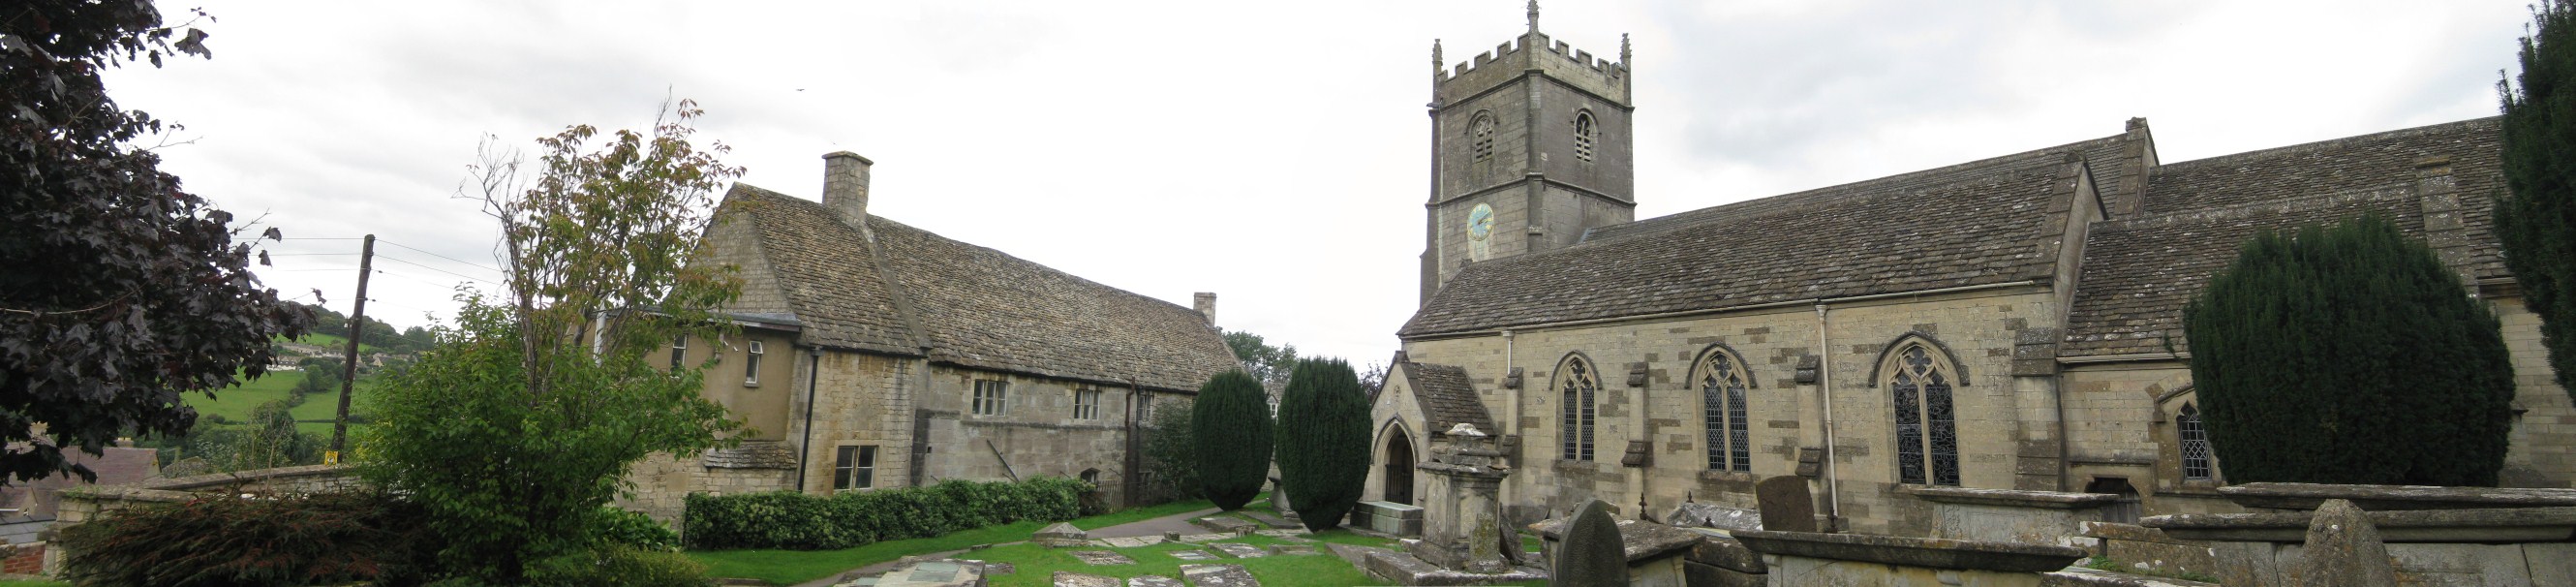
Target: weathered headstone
1072	579
1061	535
1101	557
2343	549
1594	555
1786	505
1218	576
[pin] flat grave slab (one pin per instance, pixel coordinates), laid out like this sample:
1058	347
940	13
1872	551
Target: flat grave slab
1205	537
1292	549
1071	579
1153	581
1192	555
1101	557
1132	541
1218	576
1240	550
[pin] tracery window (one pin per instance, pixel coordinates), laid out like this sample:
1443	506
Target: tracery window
1721	387
1927	434
1580	386
2195	443
1583	130
1482	133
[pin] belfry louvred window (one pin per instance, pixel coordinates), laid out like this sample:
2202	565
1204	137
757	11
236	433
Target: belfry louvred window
1927	433
1721	385
1580	387
1481	133
1583	133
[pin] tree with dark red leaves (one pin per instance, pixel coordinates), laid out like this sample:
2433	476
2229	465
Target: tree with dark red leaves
118	291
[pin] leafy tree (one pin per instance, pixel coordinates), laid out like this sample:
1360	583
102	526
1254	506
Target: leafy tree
119	292
2349	354
1322	441
2537	222
513	432
1270	364
272	441
1231	420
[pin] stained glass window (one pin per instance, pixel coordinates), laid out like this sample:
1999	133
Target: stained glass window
1927	433
2195	443
1580	387
1722	410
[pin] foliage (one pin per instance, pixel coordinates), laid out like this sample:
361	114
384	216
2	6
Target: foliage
2537	222
2349	354
619	566
1172	456
378	334
619	527
221	540
1323	441
1267	363
1594	555
787	519
271	441
121	293
1231	422
523	421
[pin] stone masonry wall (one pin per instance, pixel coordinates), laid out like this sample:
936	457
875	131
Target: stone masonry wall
1037	434
1995	421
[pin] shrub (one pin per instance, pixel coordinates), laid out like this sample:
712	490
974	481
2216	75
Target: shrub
797	521
1323	441
619	527
2349	354
221	540
619	566
1171	458
1593	555
1231	422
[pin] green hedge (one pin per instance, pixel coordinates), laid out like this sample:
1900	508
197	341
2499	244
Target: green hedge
797	521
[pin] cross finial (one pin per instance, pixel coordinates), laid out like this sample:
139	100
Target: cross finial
1533	16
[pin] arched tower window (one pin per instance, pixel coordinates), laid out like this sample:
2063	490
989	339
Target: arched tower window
1580	386
1721	387
2195	443
1927	432
1583	133
1481	133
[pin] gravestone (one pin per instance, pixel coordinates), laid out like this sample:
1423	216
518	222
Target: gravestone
1101	557
1218	576
1153	581
1072	579
1240	550
1593	554
1192	555
1061	535
1786	505
1291	549
2343	548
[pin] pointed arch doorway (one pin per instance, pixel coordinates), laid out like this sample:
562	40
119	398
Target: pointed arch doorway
1399	467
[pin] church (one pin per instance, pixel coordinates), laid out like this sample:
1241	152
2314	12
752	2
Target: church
2010	322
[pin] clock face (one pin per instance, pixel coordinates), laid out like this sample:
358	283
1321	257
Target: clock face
1480	222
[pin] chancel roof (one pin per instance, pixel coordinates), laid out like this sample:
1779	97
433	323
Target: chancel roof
915	292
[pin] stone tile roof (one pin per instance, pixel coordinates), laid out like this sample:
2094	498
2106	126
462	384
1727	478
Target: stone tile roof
2139	272
1988	221
1447	397
977	307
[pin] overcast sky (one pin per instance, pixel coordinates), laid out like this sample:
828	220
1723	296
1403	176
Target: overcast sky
1273	152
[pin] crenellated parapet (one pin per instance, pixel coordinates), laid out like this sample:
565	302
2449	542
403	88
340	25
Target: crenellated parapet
1555	59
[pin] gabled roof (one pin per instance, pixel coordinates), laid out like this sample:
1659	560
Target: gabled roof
2139	272
1447	398
968	305
1987	221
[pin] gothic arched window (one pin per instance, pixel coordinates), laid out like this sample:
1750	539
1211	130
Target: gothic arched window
1583	133
1580	386
2195	443
1721	384
1927	432
1482	133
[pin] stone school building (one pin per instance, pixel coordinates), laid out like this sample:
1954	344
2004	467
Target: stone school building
2011	322
874	354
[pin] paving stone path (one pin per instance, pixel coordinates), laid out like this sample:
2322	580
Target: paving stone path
1218	576
1241	550
1101	557
1072	579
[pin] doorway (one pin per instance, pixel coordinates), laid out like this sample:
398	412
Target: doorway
1399	467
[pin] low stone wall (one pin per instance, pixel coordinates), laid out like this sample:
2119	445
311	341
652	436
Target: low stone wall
1805	558
2490	543
2143	549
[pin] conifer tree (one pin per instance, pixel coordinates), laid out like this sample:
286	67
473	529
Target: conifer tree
1231	421
2349	354
1323	441
2537	221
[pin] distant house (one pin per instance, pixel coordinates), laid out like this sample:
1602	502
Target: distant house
875	354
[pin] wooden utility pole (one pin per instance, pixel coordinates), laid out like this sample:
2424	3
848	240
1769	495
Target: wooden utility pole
349	374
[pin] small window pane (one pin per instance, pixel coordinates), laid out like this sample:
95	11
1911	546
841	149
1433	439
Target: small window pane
751	365
845	460
679	350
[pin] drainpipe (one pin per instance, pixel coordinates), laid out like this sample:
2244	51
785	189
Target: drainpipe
1825	392
1512	426
813	375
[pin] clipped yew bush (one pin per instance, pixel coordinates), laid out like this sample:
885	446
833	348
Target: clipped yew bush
797	521
1322	443
1231	421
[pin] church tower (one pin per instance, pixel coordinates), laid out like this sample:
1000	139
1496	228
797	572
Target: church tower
1529	148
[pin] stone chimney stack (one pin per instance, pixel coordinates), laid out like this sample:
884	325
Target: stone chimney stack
1206	304
845	183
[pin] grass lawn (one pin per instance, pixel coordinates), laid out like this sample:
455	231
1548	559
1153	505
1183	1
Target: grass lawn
789	567
314	416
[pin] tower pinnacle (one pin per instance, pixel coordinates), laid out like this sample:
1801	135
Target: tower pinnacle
1533	16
